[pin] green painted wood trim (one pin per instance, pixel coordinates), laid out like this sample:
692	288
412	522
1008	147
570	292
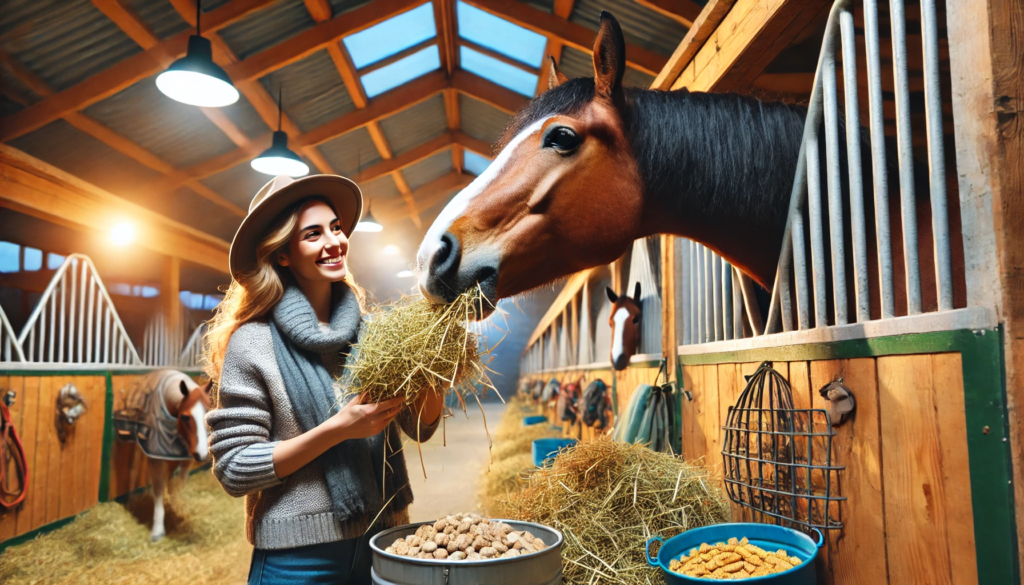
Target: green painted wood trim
23	538
677	425
615	395
992	501
646	364
108	440
72	372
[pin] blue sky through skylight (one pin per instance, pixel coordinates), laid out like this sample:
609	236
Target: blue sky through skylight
501	35
503	74
391	36
397	73
474	163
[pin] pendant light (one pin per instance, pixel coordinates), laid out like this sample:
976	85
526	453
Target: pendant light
279	159
195	79
367	223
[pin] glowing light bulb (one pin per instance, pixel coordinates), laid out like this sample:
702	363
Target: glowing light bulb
122	233
390	250
405	274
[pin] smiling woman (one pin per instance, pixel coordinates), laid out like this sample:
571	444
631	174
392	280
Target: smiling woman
275	348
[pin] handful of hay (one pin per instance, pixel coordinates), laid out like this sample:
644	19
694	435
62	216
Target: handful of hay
608	498
412	347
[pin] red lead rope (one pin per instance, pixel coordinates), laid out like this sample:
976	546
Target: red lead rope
10	448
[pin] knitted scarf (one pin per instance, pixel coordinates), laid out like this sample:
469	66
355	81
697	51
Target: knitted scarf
353	469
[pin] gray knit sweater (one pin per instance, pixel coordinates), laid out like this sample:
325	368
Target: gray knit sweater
253	415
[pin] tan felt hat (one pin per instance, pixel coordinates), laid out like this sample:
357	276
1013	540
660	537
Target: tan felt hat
279	194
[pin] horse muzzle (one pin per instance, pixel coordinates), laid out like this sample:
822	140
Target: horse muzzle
449	273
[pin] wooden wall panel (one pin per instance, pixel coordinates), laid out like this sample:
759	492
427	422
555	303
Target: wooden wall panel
63	478
129	469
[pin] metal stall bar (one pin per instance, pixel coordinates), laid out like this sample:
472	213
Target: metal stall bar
697	294
12	350
817	234
936	155
879	169
800	272
737	304
835	190
709	292
862	291
905	153
727	314
716	294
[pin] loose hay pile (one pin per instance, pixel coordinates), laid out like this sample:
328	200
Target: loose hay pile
511	455
412	347
608	498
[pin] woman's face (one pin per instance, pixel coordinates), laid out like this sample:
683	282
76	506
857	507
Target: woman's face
317	249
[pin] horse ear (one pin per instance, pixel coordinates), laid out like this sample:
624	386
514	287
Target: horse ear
555	77
184	389
609	57
611	295
636	293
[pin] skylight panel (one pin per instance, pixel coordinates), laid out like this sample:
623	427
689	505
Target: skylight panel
401	71
391	36
503	74
500	35
475	163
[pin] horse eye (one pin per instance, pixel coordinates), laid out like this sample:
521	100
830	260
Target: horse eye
561	138
636	319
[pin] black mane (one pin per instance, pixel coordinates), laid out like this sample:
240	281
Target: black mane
713	154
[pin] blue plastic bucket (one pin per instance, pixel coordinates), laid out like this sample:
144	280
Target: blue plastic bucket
544	449
534	420
767	536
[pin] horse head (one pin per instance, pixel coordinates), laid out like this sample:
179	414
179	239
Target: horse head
192	419
625	323
564	193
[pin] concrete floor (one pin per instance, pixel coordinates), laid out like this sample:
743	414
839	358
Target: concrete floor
452	470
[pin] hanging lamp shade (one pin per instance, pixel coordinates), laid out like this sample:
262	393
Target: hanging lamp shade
196	80
280	160
368	224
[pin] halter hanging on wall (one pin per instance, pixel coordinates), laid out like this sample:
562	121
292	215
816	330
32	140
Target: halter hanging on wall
778	459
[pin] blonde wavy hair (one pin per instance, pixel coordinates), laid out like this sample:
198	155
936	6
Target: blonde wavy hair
251	295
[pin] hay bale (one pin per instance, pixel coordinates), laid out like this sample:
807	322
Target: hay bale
608	498
411	346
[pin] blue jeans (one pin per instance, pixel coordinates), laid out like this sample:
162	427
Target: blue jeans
342	562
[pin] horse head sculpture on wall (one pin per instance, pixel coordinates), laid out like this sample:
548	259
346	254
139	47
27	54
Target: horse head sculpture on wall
625	320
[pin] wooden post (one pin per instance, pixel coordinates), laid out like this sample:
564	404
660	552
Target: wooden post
988	97
170	299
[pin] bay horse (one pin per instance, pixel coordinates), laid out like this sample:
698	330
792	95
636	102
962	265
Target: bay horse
589	166
625	319
165	416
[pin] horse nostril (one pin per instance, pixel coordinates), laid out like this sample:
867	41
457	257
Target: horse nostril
445	262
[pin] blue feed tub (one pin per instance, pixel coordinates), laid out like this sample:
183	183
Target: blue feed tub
544	449
534	420
767	536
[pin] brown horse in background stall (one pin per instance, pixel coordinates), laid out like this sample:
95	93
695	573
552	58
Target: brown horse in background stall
589	166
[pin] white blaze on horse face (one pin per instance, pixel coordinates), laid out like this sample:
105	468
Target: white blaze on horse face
458	204
618	332
202	442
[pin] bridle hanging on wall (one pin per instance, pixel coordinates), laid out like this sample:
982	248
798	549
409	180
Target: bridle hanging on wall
11	452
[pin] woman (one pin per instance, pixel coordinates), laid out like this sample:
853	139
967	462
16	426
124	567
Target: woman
320	477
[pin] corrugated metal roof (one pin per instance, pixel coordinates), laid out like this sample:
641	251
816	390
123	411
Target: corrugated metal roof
343	6
177	133
313	90
245	116
190	208
641	26
62	42
381	189
350	152
160	17
544	5
481	121
239	183
428	169
13	86
267	27
575	63
73	151
414	126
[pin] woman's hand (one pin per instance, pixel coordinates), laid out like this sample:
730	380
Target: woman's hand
357	420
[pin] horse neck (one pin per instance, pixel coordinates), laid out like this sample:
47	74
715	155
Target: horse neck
718	169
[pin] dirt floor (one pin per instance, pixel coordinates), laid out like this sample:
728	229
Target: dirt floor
205	540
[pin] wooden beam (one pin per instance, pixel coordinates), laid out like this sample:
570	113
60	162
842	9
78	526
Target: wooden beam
488	92
475	145
561	9
447	34
382	63
685	12
319	10
310	41
747	39
226	125
128	22
170	294
408	158
571	34
572	286
500	57
451	112
703	26
122	75
31	186
347	71
410	200
427	196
